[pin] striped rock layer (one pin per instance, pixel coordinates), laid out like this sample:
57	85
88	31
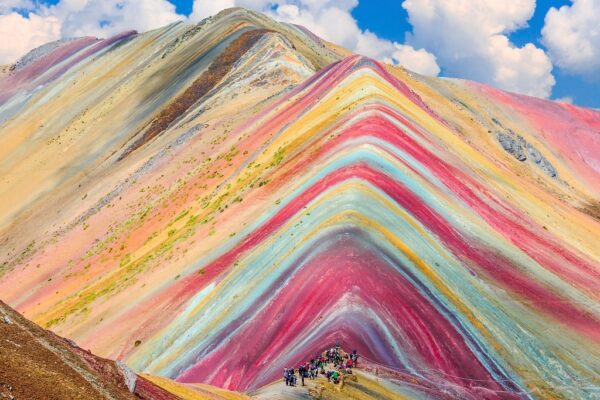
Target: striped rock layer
214	203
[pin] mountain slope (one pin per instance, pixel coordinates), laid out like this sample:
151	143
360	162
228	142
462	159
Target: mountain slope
36	364
214	203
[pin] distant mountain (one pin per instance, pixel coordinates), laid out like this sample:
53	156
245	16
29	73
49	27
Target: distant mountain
213	203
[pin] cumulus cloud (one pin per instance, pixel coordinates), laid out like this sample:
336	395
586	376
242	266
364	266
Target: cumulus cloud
420	61
572	36
72	18
104	18
20	34
469	39
333	21
204	9
8	6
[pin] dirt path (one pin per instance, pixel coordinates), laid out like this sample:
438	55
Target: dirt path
279	391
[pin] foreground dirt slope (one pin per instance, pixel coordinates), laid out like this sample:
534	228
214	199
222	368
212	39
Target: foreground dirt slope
37	364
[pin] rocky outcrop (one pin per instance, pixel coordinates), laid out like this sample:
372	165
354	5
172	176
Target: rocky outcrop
541	161
519	148
514	145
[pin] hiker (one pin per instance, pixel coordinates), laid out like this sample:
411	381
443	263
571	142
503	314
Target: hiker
338	355
302	372
349	363
286	376
331	355
354	358
314	371
293	380
312	368
335	377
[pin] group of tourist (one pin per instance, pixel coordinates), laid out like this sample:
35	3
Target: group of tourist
333	364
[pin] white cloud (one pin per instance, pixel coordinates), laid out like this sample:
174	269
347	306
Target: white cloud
566	99
20	34
572	36
420	61
72	18
332	20
104	18
8	6
469	40
204	9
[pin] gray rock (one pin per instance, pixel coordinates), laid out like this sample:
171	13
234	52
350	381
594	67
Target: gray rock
519	148
534	153
548	168
129	376
513	145
541	161
505	140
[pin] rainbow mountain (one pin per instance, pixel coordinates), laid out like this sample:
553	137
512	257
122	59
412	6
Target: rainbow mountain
213	203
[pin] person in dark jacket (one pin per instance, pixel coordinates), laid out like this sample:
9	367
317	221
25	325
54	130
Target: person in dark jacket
354	358
302	372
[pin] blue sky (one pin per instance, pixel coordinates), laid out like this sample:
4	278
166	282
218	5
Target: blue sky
393	24
511	44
